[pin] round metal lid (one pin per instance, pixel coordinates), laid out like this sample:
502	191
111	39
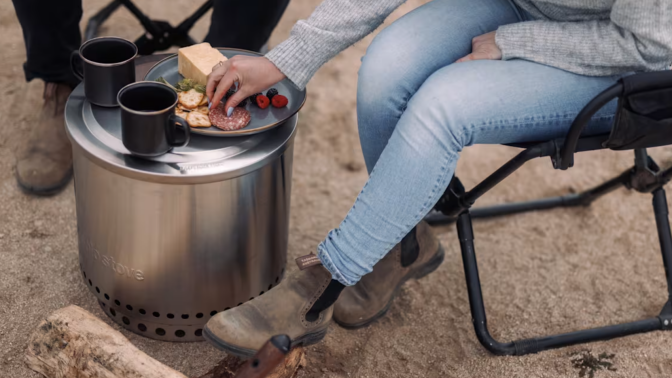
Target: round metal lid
96	131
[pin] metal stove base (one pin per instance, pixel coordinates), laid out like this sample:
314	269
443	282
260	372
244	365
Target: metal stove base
152	330
188	327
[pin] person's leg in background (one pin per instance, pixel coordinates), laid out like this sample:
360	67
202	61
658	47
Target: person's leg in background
244	24
51	33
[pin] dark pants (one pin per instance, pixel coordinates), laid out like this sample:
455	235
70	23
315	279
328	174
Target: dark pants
51	31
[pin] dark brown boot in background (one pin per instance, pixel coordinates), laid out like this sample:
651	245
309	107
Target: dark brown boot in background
418	254
45	166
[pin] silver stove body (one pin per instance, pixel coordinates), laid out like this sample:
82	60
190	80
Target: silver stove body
164	244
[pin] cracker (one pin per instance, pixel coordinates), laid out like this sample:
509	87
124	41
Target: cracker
202	110
204	101
181	113
190	99
196	119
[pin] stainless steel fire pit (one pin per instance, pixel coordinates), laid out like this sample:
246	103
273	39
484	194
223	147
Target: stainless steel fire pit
164	244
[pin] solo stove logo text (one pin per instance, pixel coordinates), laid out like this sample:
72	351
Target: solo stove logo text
108	261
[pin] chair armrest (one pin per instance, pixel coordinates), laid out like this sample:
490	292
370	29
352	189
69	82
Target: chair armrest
641	82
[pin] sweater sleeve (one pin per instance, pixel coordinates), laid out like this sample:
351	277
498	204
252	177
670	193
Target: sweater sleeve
637	37
334	26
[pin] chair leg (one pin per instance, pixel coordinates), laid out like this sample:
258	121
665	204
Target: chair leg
569	200
533	345
98	19
665	239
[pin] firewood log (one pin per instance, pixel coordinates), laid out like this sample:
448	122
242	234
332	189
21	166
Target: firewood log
72	342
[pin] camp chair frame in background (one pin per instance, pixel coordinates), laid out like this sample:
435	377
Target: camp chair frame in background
643	120
159	35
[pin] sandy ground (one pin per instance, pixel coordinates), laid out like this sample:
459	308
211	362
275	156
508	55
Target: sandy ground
542	272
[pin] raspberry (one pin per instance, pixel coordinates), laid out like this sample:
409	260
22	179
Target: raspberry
271	93
263	101
279	101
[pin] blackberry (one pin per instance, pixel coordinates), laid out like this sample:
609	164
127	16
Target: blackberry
271	92
253	98
243	102
230	93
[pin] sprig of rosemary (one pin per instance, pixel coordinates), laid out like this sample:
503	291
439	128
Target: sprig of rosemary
164	81
184	85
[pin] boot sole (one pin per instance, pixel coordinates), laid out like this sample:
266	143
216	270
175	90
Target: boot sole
430	266
244	353
46	191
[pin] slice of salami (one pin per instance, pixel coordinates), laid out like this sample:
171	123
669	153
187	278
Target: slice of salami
239	118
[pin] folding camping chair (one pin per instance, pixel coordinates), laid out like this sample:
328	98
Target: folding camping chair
159	35
643	120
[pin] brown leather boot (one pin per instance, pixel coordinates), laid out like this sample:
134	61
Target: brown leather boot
418	254
45	166
242	330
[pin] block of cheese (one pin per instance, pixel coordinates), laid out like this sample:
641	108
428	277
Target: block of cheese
196	62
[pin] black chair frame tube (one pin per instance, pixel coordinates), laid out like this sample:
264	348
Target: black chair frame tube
466	237
159	35
644	177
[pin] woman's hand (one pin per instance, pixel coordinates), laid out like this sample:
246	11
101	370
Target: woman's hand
252	73
483	47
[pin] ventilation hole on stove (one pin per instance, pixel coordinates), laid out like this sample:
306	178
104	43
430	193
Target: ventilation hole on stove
228	308
114	313
125	320
239	304
185	316
270	286
160	331
90	284
97	290
156	314
84	274
102	304
252	298
142	311
107	297
262	293
198	333
179	333
170	316
213	312
277	279
199	315
117	302
129	307
255	363
142	327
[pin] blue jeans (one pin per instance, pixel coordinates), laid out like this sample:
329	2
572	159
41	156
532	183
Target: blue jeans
417	110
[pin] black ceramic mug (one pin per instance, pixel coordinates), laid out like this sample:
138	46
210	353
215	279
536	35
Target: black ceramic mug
106	65
148	120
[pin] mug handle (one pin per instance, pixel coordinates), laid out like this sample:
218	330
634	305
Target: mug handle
173	120
76	68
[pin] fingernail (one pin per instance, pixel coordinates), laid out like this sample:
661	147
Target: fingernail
209	104
229	112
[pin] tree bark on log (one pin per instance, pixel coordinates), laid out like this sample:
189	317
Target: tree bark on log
72	342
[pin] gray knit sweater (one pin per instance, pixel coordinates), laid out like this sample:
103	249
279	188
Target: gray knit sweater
588	37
